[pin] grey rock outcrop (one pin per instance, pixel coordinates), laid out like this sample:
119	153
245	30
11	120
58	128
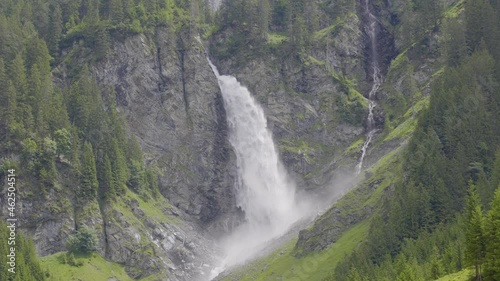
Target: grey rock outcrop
313	114
173	105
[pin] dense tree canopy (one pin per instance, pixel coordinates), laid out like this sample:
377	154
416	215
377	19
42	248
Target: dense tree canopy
453	148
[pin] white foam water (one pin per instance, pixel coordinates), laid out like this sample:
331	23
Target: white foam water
264	191
371	30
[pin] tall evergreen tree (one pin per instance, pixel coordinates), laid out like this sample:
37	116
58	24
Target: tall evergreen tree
116	11
88	182
57	116
105	178
454	45
27	264
55	30
264	13
474	232
18	76
492	266
476	22
495	173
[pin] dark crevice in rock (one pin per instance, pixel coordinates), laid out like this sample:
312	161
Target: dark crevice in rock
183	77
221	155
162	82
104	227
386	46
217	201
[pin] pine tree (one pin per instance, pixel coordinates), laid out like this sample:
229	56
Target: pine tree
75	151
102	42
35	99
18	77
296	26
90	11
118	166
40	17
8	106
9	115
3	79
116	11
455	48
38	53
55	30
474	232
264	13
57	116
27	265
495	173
492	264
106	181
88	182
437	269
475	22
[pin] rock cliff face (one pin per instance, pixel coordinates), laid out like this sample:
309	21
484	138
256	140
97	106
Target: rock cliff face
171	101
402	96
312	107
173	105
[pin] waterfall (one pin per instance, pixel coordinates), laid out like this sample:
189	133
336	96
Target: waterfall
214	4
371	30
263	190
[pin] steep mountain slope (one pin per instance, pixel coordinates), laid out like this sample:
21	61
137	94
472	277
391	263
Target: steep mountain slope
116	124
417	230
75	122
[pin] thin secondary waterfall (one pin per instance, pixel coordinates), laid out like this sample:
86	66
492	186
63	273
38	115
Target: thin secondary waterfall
371	30
263	190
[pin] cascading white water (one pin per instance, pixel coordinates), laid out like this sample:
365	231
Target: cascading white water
215	4
371	30
263	190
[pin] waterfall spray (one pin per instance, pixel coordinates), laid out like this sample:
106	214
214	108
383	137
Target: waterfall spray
264	191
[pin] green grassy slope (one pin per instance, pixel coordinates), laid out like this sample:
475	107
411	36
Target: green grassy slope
282	265
94	267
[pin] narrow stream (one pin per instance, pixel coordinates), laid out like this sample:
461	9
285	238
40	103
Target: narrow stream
371	30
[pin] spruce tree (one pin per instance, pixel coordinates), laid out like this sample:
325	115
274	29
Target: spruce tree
57	116
474	232
475	22
264	13
118	166
88	183
492	267
106	181
116	11
3	79
35	99
55	30
10	113
18	77
102	42
8	106
495	173
455	48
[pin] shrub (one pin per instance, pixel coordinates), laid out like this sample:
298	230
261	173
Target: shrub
83	241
